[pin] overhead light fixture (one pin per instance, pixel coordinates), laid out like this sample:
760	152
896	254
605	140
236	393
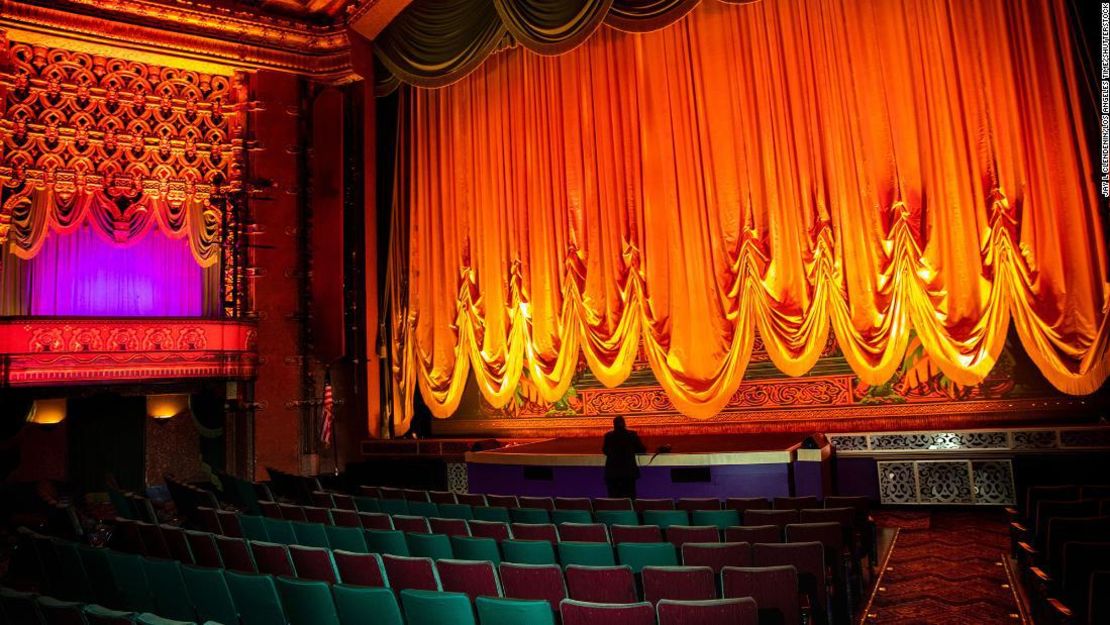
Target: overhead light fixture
164	407
47	412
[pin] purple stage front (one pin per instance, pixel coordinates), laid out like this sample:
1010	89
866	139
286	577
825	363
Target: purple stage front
736	465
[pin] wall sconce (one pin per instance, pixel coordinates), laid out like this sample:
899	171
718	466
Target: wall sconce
162	408
47	412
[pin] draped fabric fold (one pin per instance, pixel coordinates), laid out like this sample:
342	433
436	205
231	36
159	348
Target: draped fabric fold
639	16
877	170
33	213
551	26
433	43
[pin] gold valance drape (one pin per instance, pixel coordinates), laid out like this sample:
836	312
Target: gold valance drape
787	168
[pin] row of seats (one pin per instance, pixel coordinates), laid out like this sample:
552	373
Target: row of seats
27	608
130	582
662	517
389	550
1061	538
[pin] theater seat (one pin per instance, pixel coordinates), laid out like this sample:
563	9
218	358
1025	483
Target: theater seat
601	584
774	588
584	613
353	603
471	577
501	611
436	608
711	612
307	602
682	583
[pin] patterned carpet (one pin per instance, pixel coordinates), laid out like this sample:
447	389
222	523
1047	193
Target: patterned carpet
947	568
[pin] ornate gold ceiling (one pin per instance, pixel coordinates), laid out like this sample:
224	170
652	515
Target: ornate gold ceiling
301	36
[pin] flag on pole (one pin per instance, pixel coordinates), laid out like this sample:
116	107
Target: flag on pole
328	414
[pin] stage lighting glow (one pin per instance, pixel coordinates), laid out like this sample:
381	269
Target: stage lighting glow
162	407
47	412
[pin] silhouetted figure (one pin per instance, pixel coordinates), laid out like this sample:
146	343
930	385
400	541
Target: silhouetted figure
620	449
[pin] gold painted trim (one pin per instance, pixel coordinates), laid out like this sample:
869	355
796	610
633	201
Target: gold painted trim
644	460
116	51
814	455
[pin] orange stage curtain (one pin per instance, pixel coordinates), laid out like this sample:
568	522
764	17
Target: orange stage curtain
793	167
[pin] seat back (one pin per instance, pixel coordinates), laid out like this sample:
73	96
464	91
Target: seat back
411	524
717	555
178	544
291	512
573	503
470	577
130	580
434	546
405	572
449	527
423	508
375	521
501	611
386	541
795	503
99	615
502	501
528	551
341	501
346	538
496	530
717	518
559	517
636	534
601	584
53	611
640	505
203	548
535	531
235	554
367	504
271	558
154	545
280	531
315	514
256	598
307	602
774	588
441	497
360	569
95	561
475	548
807	558
713	612
533	581
167	586
471	499
414	494
231	524
535	516
682	583
209	594
585	613
617	517
314	563
354	603
584	532
690	504
612	503
17	606
679	535
587	554
497	514
345	518
311	534
74	579
743	504
753	534
781	518
459	511
639	555
436	608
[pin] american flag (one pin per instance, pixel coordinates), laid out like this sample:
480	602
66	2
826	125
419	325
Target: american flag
328	414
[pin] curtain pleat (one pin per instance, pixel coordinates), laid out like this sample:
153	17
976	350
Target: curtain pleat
551	26
35	213
877	170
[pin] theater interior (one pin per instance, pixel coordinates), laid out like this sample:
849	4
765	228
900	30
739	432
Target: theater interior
486	312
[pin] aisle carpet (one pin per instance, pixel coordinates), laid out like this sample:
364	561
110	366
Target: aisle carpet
945	567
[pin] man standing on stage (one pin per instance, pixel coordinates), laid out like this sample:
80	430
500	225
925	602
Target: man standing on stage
621	470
